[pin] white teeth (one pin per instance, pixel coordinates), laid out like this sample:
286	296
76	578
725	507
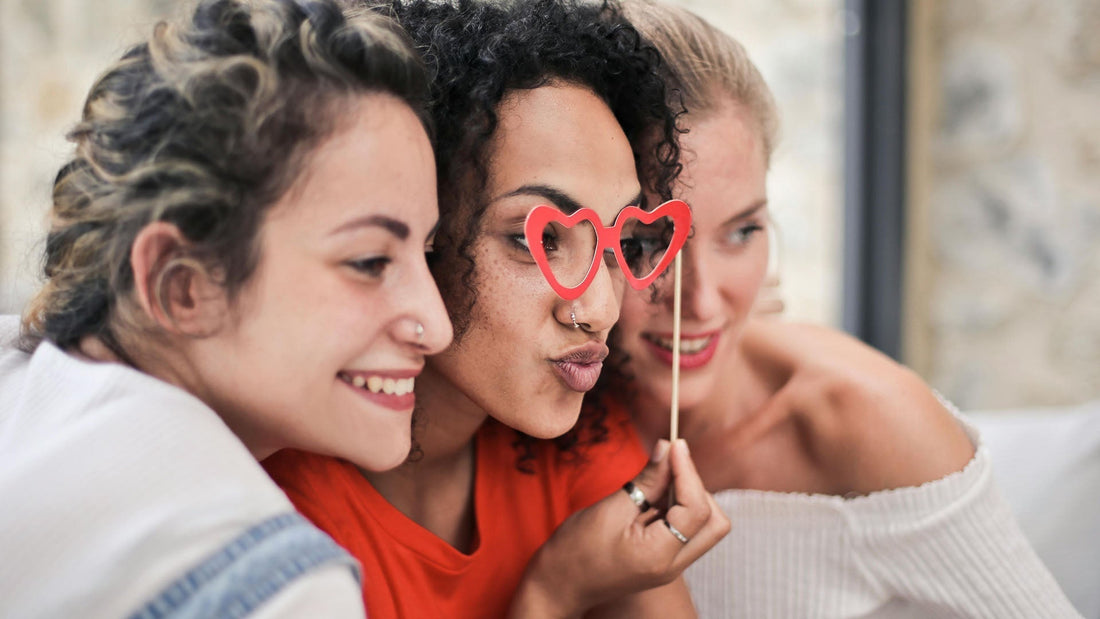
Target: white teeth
687	346
374	383
694	346
389	386
405	386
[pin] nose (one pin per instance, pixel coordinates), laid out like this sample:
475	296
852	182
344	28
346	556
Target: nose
429	326
700	296
597	310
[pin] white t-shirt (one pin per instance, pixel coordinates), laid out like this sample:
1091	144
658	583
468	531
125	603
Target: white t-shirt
115	487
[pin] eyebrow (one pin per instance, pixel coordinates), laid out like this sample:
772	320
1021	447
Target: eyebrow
749	212
394	226
561	200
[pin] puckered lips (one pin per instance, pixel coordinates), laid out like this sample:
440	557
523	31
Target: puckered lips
580	367
696	349
390	388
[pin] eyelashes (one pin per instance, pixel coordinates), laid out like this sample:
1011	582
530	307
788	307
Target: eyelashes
741	236
374	267
519	242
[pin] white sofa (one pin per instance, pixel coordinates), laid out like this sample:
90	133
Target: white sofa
1047	462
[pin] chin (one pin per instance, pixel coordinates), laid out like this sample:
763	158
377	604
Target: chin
659	391
384	457
551	423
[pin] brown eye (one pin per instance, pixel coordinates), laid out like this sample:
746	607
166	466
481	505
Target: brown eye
373	267
549	242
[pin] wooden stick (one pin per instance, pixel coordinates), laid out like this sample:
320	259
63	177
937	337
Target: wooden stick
674	417
674	412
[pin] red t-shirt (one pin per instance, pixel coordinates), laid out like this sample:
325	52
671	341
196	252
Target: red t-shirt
407	570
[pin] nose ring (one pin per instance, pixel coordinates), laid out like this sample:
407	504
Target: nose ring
573	317
419	333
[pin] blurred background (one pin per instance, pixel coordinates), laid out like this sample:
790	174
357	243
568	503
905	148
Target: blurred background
936	184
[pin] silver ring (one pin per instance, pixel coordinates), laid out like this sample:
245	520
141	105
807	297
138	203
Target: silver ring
636	496
675	532
419	333
573	317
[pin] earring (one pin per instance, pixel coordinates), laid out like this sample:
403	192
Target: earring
573	317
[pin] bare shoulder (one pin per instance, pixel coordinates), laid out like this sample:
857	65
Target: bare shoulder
866	421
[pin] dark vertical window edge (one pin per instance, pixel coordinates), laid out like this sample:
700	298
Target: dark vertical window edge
874	171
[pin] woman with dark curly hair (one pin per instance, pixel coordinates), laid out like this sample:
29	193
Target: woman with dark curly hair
235	249
536	103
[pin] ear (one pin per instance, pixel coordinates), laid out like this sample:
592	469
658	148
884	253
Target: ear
173	289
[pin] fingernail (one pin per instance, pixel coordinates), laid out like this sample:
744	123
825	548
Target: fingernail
660	451
685	445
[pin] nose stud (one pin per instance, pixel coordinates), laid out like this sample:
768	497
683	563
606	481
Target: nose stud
573	317
419	333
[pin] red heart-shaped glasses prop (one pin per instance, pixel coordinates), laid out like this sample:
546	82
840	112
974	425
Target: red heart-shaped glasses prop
607	238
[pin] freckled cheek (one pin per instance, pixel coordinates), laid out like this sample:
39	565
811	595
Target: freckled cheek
519	300
739	281
740	292
514	333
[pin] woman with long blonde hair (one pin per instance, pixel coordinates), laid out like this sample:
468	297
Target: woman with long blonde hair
236	248
854	491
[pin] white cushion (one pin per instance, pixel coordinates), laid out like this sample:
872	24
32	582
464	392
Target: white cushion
1047	462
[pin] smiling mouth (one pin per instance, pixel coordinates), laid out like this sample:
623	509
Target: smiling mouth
688	346
695	351
380	384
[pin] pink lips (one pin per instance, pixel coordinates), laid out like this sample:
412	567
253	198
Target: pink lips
687	361
580	368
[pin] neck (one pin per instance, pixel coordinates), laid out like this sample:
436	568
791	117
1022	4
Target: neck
728	403
436	490
447	420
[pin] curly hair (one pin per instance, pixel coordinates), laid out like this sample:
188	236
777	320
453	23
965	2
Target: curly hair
203	125
479	51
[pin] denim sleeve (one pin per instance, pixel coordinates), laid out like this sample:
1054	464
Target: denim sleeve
234	581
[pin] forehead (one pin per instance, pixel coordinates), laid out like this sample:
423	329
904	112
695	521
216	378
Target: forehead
378	159
725	168
563	136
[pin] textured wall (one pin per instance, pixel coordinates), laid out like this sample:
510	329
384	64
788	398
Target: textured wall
1013	213
50	53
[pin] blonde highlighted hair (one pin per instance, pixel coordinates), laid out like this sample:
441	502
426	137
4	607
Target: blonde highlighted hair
705	68
204	126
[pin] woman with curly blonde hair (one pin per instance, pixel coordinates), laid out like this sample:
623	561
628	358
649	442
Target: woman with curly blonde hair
235	260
